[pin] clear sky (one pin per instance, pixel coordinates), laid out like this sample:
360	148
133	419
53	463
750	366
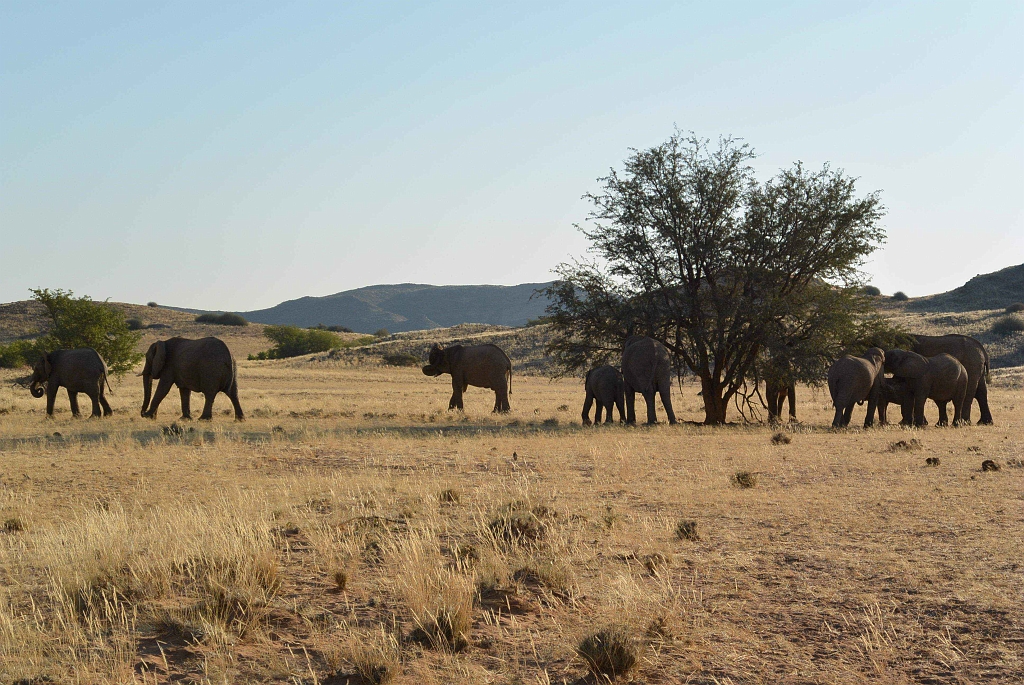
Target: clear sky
231	156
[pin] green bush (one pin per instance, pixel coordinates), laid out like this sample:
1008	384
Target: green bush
1015	307
18	353
135	324
80	322
381	333
871	291
334	329
225	319
152	304
539	321
291	341
900	296
1008	325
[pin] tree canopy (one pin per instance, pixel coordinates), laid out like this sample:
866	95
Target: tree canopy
726	271
81	322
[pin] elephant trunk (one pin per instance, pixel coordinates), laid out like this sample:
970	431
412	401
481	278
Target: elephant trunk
147	392
37	389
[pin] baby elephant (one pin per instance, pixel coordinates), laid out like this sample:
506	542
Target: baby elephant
81	370
483	366
604	384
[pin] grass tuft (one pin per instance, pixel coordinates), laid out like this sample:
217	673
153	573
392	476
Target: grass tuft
1008	325
449	496
744	479
687	530
376	657
14	525
989	465
905	445
781	438
610	652
932	461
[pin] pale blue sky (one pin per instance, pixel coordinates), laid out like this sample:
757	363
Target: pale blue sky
231	156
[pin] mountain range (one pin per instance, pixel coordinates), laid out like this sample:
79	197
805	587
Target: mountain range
410	307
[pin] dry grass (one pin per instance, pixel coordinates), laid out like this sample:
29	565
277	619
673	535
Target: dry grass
214	555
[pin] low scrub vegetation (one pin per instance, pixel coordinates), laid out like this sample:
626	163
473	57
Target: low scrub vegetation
18	353
224	319
1015	308
1008	325
900	296
292	341
871	291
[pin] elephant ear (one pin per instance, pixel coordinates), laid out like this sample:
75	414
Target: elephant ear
159	358
906	365
47	366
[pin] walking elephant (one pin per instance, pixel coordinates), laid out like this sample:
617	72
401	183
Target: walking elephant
776	394
973	356
483	366
605	385
81	370
941	378
647	369
854	380
203	365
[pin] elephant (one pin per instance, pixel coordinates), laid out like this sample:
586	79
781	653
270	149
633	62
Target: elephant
776	395
973	356
483	366
898	390
941	378
852	380
81	370
604	384
203	365
647	369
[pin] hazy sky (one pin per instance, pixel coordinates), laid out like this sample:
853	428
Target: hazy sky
233	156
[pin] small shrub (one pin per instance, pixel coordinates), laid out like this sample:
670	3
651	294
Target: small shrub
556	577
381	333
152	304
333	329
932	461
539	321
401	359
905	445
449	496
292	341
340	579
1008	325
610	652
1015	308
654	562
225	319
550	422
14	525
18	353
376	657
687	530
871	291
515	524
135	324
563	407
900	296
744	479
989	465
781	439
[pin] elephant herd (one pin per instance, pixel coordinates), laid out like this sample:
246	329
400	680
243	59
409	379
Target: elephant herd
944	369
941	368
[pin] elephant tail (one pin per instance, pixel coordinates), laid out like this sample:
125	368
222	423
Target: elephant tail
510	379
106	379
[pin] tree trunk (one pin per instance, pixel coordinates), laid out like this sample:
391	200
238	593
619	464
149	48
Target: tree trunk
714	404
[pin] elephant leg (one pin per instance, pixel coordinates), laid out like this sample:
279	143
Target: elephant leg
869	419
666	401
791	396
847	415
919	419
587	404
95	397
630	397
161	392
597	413
51	397
208	406
73	399
943	416
233	396
773	404
186	402
837	420
619	404
652	414
608	407
981	394
107	411
501	405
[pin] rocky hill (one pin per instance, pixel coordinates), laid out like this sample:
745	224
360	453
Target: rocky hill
410	307
996	290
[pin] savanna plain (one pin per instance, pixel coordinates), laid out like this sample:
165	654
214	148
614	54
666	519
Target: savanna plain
352	530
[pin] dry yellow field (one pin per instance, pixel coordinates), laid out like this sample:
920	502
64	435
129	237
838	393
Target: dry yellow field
352	530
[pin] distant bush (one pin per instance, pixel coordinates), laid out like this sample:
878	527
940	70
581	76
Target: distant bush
1008	325
401	359
333	329
381	333
539	321
152	304
1015	307
871	291
18	353
225	319
135	324
291	341
900	296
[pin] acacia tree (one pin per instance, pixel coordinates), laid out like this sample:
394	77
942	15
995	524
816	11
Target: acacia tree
694	252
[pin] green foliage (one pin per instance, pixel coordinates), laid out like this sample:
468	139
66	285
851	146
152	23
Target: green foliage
381	333
80	322
1008	325
900	296
539	321
152	304
871	291
334	329
224	319
291	341
135	324
693	251
19	353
